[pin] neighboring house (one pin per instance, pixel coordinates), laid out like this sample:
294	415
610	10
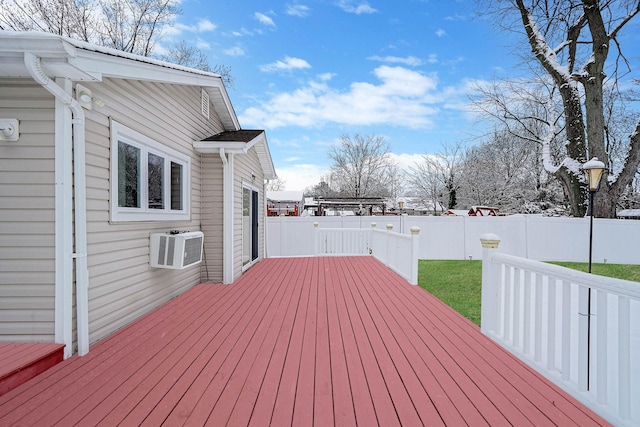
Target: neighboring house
629	214
483	211
418	206
284	203
457	212
109	148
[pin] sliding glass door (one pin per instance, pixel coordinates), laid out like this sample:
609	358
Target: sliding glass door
249	225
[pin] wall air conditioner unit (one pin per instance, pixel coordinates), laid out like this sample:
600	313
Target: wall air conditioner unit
176	250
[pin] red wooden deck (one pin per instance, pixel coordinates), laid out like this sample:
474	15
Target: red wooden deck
299	341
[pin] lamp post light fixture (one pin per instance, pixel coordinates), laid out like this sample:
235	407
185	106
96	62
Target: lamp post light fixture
593	169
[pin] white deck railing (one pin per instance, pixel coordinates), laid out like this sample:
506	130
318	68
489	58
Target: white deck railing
580	330
397	251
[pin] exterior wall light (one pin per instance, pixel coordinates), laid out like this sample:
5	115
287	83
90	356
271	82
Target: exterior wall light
84	97
9	129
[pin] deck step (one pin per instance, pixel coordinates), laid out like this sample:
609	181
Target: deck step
19	362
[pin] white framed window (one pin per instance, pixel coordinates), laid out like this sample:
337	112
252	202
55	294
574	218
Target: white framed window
149	181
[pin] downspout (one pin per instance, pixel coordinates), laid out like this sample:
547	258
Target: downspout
265	239
227	217
32	62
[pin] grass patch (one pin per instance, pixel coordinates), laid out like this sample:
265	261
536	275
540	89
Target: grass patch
456	283
618	271
459	283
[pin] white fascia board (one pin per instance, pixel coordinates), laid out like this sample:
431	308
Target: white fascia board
43	45
265	158
118	67
213	147
222	104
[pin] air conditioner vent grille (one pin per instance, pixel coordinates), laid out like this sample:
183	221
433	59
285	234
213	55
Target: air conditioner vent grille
192	251
171	251
162	250
176	251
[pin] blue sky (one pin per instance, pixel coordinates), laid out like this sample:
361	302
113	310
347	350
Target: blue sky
310	71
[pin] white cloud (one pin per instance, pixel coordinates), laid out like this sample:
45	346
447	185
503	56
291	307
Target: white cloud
433	59
441	33
325	77
402	97
411	61
297	10
297	177
287	64
243	32
353	6
406	160
205	25
202	44
235	51
202	26
264	19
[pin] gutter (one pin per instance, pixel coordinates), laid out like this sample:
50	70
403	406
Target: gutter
32	63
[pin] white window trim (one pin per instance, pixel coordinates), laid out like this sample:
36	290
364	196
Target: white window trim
119	132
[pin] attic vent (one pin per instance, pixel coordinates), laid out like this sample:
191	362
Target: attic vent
204	101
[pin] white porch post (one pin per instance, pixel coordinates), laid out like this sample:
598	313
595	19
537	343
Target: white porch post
371	234
490	284
316	232
228	209
386	255
415	232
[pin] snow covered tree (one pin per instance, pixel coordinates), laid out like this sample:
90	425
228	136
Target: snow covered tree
503	172
436	177
424	180
361	166
71	18
573	42
277	184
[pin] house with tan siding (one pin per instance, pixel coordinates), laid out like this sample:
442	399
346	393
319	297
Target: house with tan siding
99	151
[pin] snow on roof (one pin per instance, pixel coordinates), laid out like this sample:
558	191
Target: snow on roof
629	213
285	196
22	38
457	212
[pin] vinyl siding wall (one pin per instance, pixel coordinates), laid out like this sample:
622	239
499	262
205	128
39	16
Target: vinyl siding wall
122	286
245	166
212	218
27	221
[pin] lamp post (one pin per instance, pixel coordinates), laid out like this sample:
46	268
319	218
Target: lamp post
593	169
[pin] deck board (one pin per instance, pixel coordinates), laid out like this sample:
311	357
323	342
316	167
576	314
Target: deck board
300	341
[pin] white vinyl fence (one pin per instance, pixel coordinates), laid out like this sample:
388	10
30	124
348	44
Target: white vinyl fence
397	251
528	236
580	330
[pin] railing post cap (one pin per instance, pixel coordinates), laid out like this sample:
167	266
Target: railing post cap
373	225
315	224
490	241
415	230
389	226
